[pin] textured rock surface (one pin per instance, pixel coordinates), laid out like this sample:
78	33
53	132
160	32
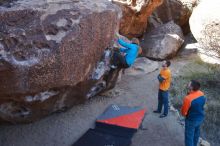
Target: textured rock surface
163	42
135	14
205	24
48	51
142	66
177	10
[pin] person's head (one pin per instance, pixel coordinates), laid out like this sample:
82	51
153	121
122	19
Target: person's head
166	64
194	85
135	41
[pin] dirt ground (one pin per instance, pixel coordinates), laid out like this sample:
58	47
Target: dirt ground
64	129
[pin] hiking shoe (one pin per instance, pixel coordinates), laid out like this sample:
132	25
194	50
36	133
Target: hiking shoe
156	111
162	116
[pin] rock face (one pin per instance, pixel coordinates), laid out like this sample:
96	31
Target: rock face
177	10
142	66
205	24
163	42
48	52
135	14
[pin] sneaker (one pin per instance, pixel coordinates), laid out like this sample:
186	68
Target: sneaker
156	111
162	116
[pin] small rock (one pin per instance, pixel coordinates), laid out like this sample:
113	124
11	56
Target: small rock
113	93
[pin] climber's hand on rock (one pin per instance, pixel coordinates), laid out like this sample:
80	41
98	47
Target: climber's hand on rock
117	34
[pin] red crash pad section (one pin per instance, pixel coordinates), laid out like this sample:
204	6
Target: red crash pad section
126	117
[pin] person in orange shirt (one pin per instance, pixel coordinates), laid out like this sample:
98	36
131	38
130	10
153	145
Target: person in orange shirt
164	79
193	110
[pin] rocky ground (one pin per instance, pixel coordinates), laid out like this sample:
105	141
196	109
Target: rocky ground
63	129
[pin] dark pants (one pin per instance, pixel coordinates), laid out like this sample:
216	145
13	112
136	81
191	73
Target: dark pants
163	101
192	132
119	60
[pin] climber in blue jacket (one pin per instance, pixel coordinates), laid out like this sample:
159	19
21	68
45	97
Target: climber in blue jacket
126	56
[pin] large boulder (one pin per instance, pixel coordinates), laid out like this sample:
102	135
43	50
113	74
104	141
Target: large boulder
135	15
48	54
163	42
142	66
177	10
205	24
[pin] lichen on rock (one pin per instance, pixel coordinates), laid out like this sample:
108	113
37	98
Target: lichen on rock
48	52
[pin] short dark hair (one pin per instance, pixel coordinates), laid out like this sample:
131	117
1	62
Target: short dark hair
195	85
168	63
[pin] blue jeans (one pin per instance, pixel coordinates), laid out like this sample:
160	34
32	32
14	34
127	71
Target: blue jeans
192	132
163	101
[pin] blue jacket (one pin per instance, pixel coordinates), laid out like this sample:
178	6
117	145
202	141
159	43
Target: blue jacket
193	106
131	51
